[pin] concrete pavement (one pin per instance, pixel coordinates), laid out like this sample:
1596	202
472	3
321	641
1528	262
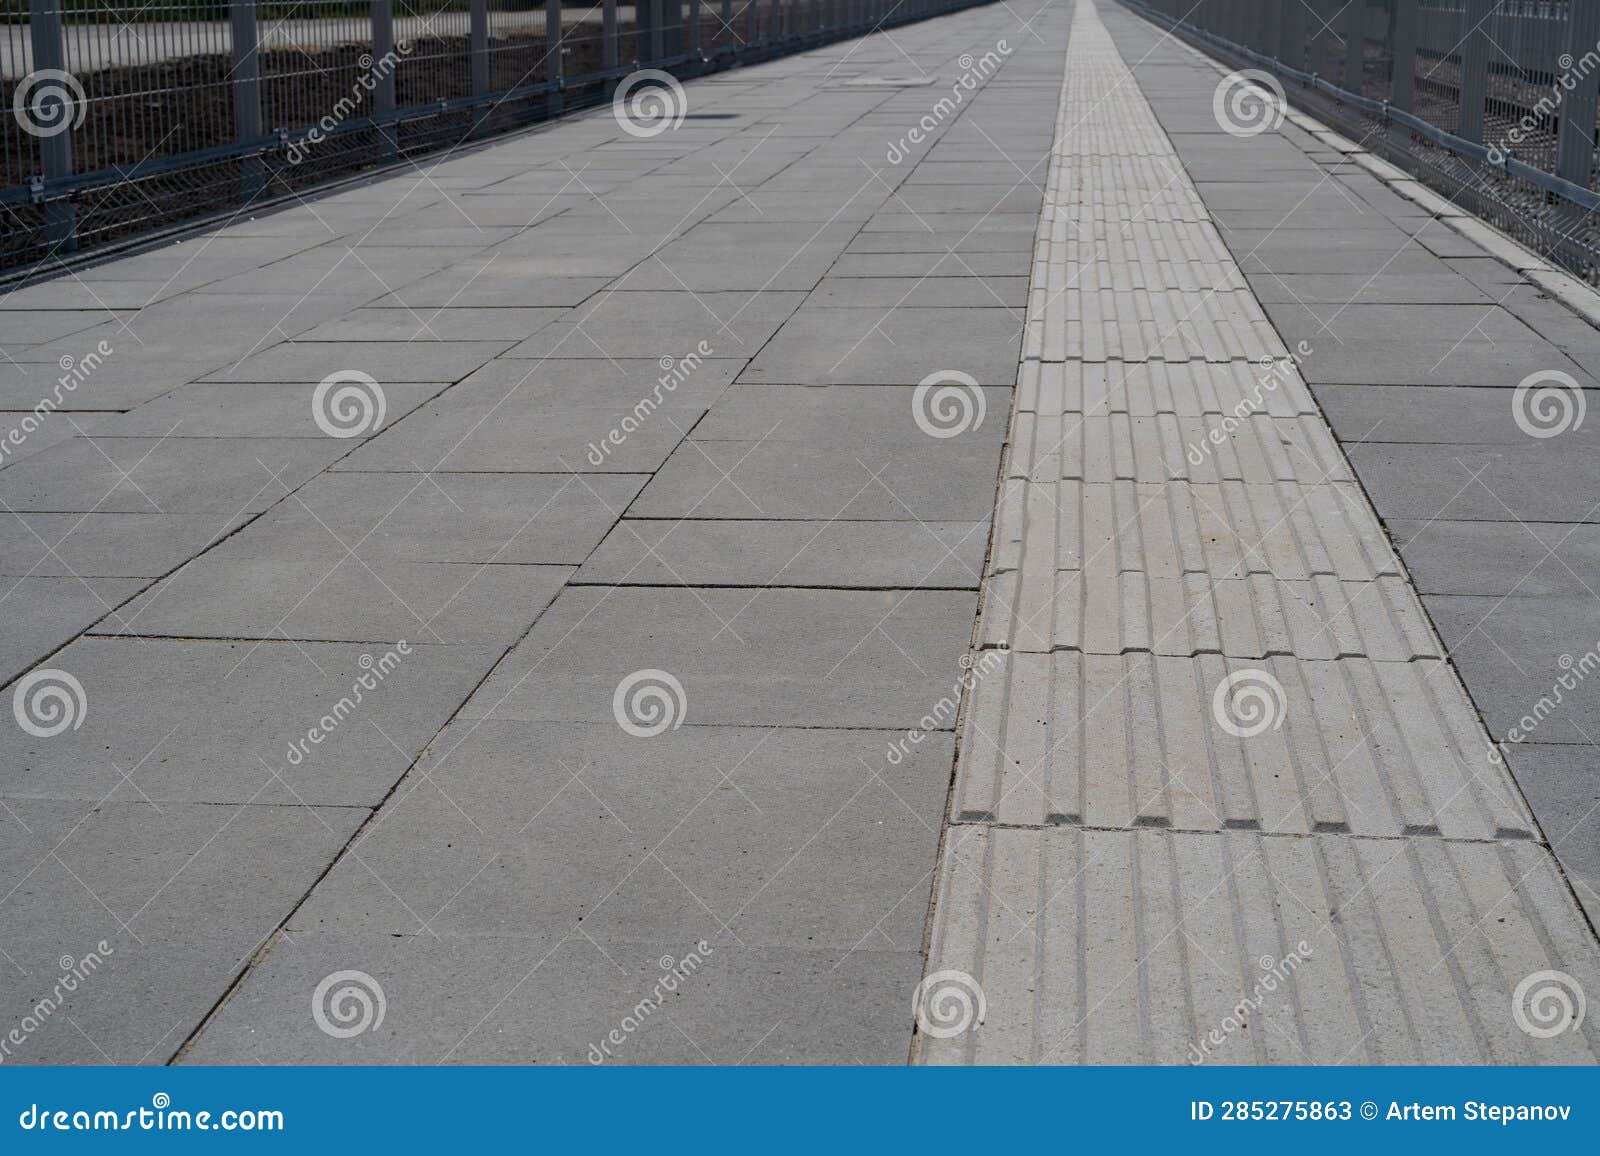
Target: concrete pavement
615	434
898	565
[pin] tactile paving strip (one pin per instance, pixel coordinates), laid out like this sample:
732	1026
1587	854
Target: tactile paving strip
1212	722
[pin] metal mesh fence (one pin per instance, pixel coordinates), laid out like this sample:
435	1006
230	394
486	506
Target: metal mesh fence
1493	102
125	116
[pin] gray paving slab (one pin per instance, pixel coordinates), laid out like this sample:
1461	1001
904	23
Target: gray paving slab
850	658
741	833
182	721
972	289
33	326
102	545
504	429
939	480
44	612
890	347
1289	256
645	324
1515	652
453	1001
1533	559
276	409
452	324
182	895
852	414
1361	325
1563	787
480	284
156	475
474	518
276	584
1422	414
1453	359
127	380
833	553
311	361
1536	481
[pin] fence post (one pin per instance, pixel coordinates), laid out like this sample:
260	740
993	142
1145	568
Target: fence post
1271	34
553	38
752	25
246	93
694	29
1403	67
1575	154
651	48
1292	36
1355	46
383	94
608	40
1474	68
478	32
1320	56
55	152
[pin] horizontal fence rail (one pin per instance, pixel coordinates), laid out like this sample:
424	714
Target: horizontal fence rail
122	117
1494	102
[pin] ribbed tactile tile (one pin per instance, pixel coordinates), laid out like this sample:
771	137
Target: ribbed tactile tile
1110	447
1128	947
1098	324
1270	385
1227	529
1372	748
1257	616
